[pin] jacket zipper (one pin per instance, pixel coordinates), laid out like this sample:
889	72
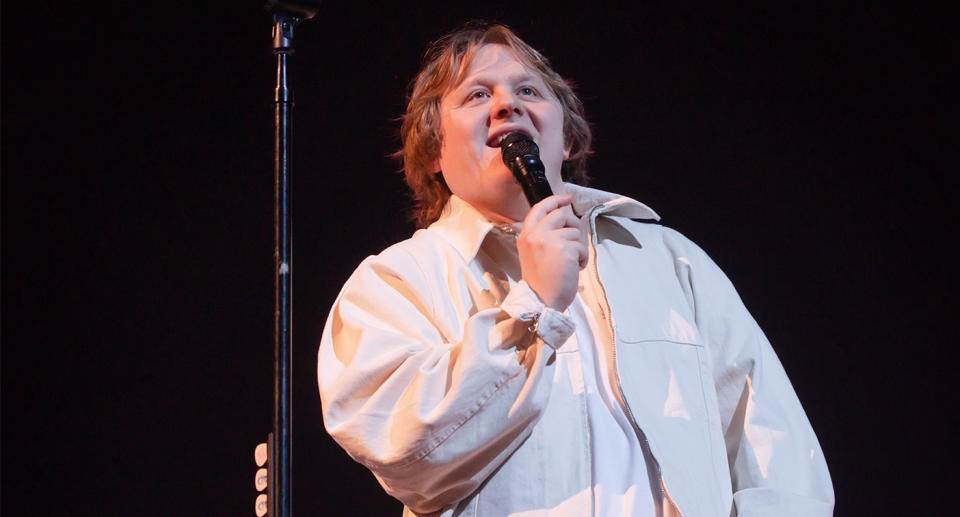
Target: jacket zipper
616	366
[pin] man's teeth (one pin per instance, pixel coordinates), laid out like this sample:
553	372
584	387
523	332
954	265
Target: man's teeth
505	135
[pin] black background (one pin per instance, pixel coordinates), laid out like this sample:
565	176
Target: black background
805	146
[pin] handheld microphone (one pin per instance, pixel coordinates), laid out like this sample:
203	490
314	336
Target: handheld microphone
522	156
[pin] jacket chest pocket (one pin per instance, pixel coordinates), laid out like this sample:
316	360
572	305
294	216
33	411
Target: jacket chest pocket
664	381
663	365
667	387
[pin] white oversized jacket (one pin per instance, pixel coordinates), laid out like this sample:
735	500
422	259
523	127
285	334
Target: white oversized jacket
430	376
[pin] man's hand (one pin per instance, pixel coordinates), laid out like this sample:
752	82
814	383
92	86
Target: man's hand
552	251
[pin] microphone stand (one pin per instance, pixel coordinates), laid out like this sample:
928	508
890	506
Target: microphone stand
286	16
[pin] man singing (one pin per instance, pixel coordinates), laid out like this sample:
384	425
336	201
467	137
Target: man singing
572	358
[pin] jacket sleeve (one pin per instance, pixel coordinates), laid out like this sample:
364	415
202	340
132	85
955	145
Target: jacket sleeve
776	464
431	405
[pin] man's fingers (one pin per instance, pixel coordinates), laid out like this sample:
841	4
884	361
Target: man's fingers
577	251
544	207
569	234
552	221
561	217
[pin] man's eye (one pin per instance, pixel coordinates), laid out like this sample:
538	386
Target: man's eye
526	90
479	94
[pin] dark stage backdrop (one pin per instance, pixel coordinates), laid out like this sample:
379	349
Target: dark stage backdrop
805	146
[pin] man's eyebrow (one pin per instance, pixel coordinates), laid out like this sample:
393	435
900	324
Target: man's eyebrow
523	78
482	78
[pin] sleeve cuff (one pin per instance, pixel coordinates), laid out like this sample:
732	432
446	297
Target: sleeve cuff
553	327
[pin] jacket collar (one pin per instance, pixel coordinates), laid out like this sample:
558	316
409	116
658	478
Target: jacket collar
465	228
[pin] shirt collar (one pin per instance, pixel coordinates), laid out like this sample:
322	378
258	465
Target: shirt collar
464	227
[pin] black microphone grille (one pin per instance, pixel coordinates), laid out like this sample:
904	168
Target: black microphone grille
518	144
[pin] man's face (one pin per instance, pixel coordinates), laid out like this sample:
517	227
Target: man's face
498	95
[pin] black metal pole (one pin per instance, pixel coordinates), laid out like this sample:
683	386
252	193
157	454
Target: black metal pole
286	16
280	482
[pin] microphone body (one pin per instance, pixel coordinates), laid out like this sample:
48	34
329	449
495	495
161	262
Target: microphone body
522	156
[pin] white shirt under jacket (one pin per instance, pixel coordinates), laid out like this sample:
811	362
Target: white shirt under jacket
430	377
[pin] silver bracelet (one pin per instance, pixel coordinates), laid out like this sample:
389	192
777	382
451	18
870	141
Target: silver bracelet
533	318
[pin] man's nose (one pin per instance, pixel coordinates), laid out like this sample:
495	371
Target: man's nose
506	106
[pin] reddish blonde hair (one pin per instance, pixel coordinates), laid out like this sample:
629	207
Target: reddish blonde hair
445	65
